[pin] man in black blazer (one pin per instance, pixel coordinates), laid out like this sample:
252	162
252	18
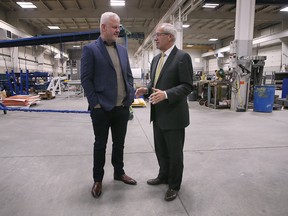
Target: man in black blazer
168	93
107	80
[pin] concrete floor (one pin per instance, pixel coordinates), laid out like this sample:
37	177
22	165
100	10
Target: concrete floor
236	164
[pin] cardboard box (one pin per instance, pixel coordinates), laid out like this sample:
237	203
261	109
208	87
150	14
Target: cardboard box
46	95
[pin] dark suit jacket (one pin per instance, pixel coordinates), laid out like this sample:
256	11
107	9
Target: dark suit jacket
176	78
98	76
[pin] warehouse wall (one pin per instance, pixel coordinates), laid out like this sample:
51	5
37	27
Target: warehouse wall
273	61
27	58
197	61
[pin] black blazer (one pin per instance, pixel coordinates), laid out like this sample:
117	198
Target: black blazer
176	78
98	75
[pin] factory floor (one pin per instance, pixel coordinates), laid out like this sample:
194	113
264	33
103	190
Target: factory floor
236	164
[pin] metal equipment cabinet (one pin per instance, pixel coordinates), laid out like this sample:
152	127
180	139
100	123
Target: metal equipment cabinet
221	93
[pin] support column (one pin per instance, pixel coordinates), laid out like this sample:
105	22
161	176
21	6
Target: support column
241	48
284	63
145	67
15	59
154	49
145	61
39	53
55	66
179	37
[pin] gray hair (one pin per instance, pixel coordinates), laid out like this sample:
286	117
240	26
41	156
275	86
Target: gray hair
169	28
105	17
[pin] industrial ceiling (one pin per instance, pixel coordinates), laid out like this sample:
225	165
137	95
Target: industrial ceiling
141	16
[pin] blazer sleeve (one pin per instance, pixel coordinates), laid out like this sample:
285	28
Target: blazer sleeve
185	77
130	80
87	64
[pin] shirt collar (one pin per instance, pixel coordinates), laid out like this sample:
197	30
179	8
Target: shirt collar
113	44
168	51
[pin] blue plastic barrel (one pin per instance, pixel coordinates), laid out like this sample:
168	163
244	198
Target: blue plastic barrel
264	98
285	88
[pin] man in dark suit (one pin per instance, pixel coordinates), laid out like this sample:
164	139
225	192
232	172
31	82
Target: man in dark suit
171	83
107	80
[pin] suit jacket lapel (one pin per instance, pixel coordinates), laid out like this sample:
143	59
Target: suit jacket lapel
167	62
102	48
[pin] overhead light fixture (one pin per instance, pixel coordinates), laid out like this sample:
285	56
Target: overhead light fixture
53	27
208	5
117	3
26	5
284	9
213	39
76	46
185	25
189	45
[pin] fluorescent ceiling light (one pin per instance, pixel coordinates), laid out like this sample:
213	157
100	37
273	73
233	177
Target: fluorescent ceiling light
53	27
185	25
117	2
208	5
26	4
284	9
76	46
213	39
189	45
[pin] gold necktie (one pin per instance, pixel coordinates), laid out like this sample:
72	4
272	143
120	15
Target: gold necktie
159	68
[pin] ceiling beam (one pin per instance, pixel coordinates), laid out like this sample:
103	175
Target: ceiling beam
61	5
5	5
62	23
86	21
140	4
155	4
75	23
45	5
93	4
228	15
87	13
77	4
256	41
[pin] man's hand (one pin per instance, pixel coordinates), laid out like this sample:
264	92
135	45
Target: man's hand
157	96
140	91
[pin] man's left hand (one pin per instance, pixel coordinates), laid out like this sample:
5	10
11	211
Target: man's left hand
157	96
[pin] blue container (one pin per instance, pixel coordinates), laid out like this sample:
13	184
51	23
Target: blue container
264	98
285	88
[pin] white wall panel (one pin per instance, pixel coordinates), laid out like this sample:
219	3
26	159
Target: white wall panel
212	65
273	61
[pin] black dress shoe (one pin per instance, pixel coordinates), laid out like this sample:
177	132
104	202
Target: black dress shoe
96	189
156	181
126	179
171	194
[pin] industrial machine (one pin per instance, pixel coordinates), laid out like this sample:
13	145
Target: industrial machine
245	73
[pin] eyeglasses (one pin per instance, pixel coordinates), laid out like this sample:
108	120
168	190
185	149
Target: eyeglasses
158	34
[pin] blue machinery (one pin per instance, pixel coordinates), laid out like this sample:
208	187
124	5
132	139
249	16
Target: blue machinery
68	37
19	83
12	80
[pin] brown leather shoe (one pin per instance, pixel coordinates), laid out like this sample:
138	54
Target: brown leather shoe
96	189
126	179
156	181
171	194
